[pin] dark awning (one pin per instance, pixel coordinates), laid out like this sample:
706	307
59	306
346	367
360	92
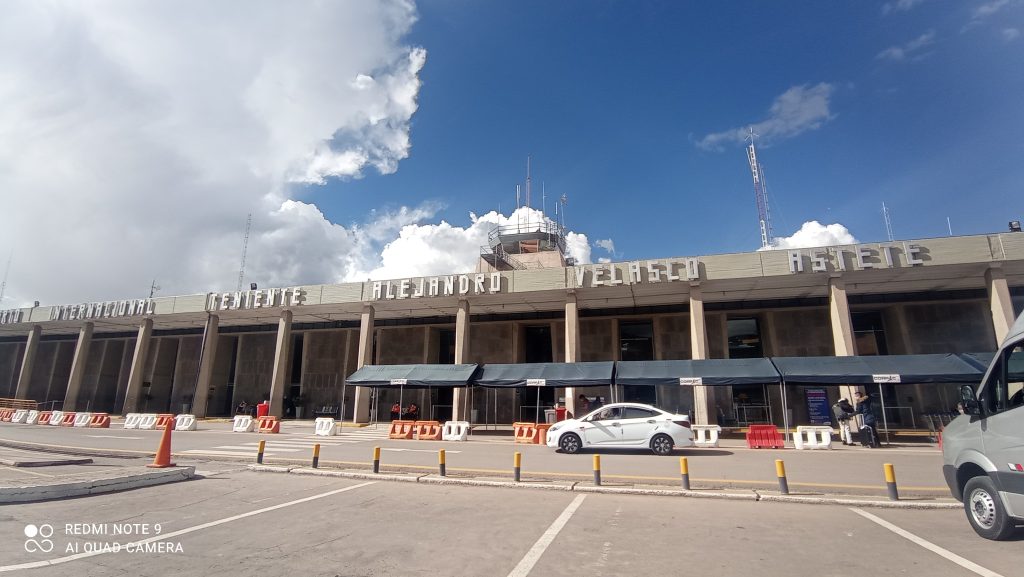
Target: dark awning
890	369
545	374
412	375
696	372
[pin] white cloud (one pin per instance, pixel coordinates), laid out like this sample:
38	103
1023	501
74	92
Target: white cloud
899	6
813	234
1011	34
137	136
606	244
911	49
795	111
989	8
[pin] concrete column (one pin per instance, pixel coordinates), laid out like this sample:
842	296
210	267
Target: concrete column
460	396
25	377
361	409
1000	302
279	380
78	367
131	397
704	412
842	327
572	344
201	397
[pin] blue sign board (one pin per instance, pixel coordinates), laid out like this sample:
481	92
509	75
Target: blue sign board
818	409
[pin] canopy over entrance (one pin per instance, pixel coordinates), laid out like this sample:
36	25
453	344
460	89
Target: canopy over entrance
696	372
886	369
546	374
413	376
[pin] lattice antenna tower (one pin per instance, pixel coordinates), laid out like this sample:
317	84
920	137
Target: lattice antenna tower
888	222
760	192
245	249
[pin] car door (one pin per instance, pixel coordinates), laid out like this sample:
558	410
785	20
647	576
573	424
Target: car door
1002	429
604	427
637	424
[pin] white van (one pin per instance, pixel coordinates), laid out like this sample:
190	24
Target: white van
983	449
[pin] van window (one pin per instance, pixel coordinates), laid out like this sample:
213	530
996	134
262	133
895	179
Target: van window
1005	387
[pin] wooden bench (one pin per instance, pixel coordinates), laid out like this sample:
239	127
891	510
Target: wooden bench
326	411
18	404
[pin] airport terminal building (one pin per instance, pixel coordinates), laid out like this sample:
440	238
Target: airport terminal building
526	303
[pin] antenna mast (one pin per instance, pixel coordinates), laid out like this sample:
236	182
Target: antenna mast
3	285
245	248
528	205
888	222
760	193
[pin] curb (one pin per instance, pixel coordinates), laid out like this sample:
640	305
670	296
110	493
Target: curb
29	493
578	488
83	451
51	463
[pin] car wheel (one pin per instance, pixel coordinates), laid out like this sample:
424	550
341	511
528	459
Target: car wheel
662	444
570	443
985	511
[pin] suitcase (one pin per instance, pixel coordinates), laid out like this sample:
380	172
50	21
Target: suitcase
867	436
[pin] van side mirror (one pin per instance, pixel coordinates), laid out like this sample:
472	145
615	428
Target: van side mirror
969	401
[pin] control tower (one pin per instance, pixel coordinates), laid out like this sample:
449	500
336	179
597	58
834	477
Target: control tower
523	246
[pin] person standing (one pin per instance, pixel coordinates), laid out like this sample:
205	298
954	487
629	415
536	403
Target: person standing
582	405
843	412
865	409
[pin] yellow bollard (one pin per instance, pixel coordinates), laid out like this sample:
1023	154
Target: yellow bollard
597	470
890	482
440	462
259	452
780	470
316	455
376	459
517	462
684	472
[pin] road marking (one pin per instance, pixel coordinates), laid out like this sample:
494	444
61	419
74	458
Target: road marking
417	450
167	536
20	470
214	453
533	555
949	555
113	437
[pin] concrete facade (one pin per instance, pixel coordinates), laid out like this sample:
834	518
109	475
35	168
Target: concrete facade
930	296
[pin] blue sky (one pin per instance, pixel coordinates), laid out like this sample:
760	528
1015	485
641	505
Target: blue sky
611	98
146	132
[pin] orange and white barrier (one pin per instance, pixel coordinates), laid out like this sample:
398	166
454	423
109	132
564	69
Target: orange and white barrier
44	417
242	424
525	432
82	420
99	421
268	424
6	414
813	437
162	420
455	431
147	421
19	416
185	423
325	427
705	435
428	430
401	429
55	418
67	420
32	418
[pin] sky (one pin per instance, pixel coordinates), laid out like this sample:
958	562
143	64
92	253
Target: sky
383	139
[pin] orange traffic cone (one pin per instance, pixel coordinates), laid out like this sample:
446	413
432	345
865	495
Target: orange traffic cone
163	454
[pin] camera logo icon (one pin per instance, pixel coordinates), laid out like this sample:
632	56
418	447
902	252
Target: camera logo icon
38	538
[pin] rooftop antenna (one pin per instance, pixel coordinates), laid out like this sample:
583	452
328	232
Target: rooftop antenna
519	215
3	285
949	225
153	288
888	223
563	200
528	205
760	193
245	248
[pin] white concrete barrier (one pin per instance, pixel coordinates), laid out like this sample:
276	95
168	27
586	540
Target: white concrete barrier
816	437
32	418
243	424
19	416
455	431
325	427
56	417
82	419
147	421
131	420
705	435
185	423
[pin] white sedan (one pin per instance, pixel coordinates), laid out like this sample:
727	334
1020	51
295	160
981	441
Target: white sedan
623	425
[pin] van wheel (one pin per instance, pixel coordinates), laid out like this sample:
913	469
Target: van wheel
570	443
662	444
985	511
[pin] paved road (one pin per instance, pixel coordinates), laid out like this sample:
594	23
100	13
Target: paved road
844	470
245	523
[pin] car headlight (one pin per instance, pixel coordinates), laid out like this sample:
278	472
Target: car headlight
555	427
